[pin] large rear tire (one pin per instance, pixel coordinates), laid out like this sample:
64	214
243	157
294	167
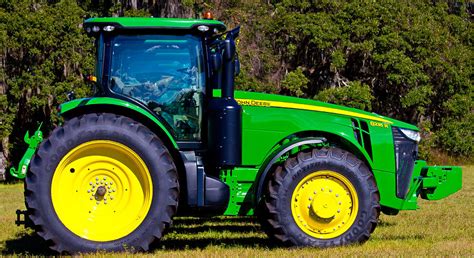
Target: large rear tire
322	198
101	182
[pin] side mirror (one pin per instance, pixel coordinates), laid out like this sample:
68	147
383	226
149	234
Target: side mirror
233	34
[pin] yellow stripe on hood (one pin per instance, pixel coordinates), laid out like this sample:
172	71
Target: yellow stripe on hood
268	103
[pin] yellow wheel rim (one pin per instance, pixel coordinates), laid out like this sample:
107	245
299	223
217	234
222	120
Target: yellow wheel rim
324	204
101	190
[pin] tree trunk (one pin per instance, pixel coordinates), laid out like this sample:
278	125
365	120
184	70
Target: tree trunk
3	169
134	4
171	9
3	159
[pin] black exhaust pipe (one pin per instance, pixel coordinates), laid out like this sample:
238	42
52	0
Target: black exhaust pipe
225	114
228	73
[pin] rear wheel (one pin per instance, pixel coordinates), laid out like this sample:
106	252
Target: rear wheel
101	182
325	197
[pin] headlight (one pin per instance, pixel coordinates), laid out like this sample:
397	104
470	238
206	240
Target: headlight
109	28
412	135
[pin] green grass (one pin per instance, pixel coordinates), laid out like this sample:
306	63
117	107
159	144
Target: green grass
439	228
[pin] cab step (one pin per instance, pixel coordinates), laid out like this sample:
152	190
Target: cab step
23	220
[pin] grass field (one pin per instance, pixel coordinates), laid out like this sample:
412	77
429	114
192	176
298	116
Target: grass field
439	228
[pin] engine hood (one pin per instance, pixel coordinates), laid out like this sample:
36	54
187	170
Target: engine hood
245	98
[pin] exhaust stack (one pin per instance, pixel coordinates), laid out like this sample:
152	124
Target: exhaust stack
225	114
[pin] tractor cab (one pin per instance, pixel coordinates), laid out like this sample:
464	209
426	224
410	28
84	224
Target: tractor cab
162	65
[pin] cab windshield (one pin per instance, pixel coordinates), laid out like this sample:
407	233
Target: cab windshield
164	72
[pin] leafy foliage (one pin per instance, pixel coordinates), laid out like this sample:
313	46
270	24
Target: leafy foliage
412	60
295	82
45	56
355	95
456	136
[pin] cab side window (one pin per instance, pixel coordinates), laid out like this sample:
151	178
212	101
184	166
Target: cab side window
166	74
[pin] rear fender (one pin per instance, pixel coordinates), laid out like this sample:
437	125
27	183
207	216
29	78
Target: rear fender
121	107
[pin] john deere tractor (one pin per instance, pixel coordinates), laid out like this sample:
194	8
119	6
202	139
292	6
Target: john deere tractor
166	134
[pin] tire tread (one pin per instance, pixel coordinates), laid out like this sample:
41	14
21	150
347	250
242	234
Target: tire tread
88	122
270	215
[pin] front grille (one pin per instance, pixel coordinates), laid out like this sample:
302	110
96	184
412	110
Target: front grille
406	152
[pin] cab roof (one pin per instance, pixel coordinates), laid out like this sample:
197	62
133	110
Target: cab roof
154	23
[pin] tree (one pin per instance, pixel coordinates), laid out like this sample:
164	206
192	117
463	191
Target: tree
411	60
45	54
414	57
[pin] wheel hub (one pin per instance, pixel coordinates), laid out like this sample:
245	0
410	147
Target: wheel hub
101	185
103	188
324	204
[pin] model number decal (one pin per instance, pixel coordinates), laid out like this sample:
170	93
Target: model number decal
378	124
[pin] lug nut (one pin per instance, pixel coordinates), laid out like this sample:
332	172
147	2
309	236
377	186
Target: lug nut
97	179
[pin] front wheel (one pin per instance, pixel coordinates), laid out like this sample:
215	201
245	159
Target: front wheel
101	182
324	197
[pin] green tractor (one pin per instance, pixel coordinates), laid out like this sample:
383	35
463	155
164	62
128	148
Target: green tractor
166	135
